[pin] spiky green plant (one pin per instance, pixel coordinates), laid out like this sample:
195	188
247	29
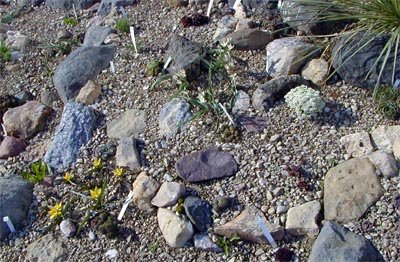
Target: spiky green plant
5	53
372	19
123	24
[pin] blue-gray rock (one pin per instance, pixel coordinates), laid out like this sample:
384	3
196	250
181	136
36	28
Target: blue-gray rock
185	55
266	95
198	212
96	35
15	199
68	4
81	65
107	5
206	165
172	117
300	16
336	243
202	241
75	130
353	66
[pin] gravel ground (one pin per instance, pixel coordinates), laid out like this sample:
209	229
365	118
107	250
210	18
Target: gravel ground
263	165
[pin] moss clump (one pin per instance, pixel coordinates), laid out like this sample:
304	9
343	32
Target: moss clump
108	226
70	21
154	68
123	25
229	134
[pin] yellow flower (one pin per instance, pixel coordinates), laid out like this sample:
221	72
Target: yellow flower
67	177
119	172
55	211
97	162
95	193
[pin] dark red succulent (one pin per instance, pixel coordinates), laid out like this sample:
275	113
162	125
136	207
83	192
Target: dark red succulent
194	20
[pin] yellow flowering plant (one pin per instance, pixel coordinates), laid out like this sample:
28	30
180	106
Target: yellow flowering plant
56	211
68	177
118	172
95	193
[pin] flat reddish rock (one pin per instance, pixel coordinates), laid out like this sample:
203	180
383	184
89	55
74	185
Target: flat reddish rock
206	165
11	146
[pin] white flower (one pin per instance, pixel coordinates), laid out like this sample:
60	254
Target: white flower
305	101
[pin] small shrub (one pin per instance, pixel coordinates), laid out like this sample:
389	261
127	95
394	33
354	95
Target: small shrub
5	53
123	25
305	101
70	21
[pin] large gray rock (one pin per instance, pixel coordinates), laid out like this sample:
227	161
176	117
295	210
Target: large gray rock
356	67
246	227
185	55
173	116
96	35
130	123
81	65
26	120
206	165
336	243
127	154
75	130
286	56
107	5
47	249
266	95
68	4
350	189
175	229
303	219
16	197
303	17
250	39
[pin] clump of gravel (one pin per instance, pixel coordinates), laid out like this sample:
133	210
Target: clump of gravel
264	164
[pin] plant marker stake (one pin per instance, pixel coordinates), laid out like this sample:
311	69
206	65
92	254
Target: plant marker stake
73	8
121	8
10	225
4	130
266	232
235	5
267	62
210	4
127	201
227	114
132	31
396	83
167	63
112	67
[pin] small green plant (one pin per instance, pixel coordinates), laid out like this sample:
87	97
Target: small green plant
70	21
63	47
225	243
154	68
219	85
388	100
38	171
123	25
5	53
305	101
154	248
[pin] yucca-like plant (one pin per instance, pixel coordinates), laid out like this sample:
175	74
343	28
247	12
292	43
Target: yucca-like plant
370	20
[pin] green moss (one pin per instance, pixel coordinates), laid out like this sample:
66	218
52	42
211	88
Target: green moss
123	25
70	21
154	68
5	53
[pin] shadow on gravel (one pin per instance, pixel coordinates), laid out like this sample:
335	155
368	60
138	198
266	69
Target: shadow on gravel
338	116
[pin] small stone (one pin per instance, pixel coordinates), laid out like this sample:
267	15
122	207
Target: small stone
88	93
68	228
206	165
384	162
26	120
202	241
278	191
358	144
199	212
172	116
176	230
131	123
47	248
11	146
92	236
127	154
168	194
281	209
145	189
302	220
